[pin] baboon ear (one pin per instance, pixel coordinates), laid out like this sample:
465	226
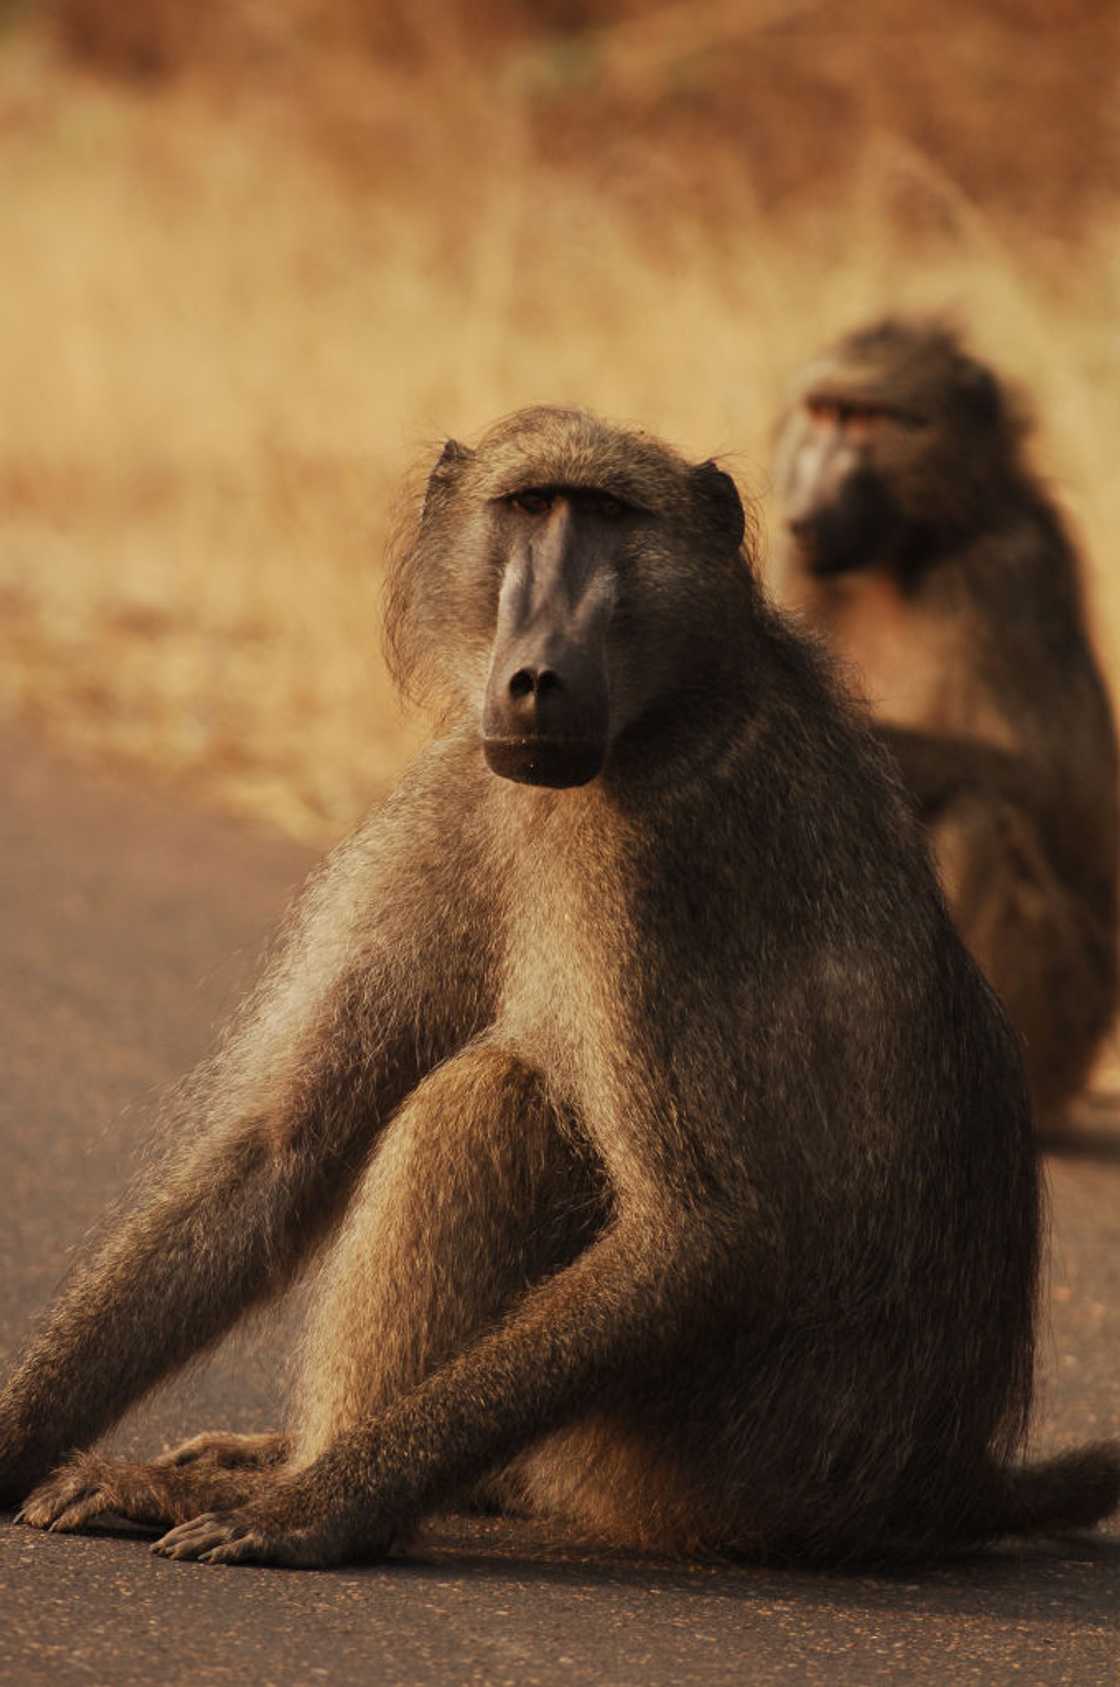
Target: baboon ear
719	498
443	475
451	456
982	396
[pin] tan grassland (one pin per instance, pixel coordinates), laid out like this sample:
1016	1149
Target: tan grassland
224	337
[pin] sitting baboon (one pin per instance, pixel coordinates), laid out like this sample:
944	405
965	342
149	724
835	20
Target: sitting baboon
918	540
673	1158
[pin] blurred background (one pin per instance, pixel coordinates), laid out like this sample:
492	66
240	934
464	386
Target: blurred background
258	255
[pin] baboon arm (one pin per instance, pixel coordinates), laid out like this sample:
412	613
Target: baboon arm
261	1148
1074	823
936	769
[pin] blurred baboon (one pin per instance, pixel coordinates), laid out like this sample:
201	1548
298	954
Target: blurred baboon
675	1159
918	540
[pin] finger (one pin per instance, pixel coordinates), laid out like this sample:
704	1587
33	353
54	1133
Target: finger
42	1510
239	1551
187	1452
80	1510
198	1535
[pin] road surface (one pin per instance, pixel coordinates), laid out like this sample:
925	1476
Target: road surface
129	923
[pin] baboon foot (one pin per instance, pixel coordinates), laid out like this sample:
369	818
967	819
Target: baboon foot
91	1486
222	1450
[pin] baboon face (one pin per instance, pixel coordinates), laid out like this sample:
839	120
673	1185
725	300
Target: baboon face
887	448
836	477
546	716
570	568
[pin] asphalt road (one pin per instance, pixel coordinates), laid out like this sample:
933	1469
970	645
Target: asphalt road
128	924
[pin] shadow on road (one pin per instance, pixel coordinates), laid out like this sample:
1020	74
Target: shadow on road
1054	1581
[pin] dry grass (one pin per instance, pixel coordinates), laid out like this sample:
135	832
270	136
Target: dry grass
221	342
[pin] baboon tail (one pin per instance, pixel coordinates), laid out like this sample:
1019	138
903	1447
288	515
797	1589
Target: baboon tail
1073	1491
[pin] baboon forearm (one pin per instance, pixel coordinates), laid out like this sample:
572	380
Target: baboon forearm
572	1340
166	1283
936	768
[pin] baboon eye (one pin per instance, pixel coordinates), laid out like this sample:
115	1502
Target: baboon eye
606	505
531	501
824	411
860	420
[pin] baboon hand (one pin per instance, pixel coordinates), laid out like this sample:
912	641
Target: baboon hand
171	1491
226	1451
288	1525
89	1486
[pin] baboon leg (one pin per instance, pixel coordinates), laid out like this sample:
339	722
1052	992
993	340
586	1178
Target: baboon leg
1028	936
475	1194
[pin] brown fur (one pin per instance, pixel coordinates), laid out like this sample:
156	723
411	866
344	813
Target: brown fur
674	1160
927	551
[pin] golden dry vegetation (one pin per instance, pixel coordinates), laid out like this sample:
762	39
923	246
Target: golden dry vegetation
258	258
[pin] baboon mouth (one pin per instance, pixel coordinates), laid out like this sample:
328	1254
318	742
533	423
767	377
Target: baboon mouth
823	558
557	762
824	567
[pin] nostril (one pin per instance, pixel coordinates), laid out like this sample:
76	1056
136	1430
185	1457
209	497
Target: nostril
527	681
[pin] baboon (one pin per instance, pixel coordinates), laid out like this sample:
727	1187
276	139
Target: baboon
920	542
670	1160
